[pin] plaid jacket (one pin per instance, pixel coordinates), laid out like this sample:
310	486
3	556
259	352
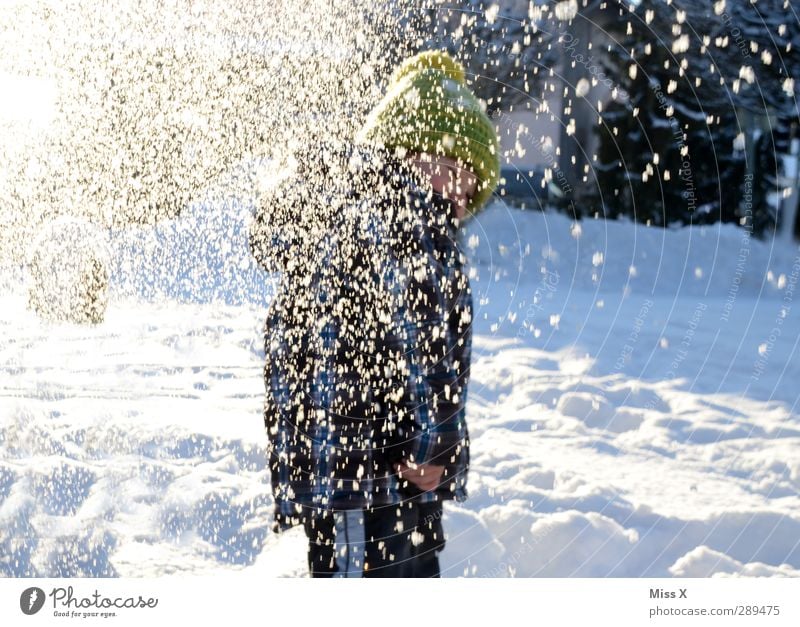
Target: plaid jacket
368	351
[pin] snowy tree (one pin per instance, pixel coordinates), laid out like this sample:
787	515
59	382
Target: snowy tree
68	272
756	46
676	148
766	36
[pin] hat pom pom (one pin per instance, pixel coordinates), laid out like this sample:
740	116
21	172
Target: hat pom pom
431	60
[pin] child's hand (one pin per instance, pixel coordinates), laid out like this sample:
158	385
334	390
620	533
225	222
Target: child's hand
424	476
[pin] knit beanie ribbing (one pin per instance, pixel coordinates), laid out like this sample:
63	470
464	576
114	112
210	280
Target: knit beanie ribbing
429	108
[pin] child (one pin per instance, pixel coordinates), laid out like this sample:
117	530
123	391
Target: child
368	339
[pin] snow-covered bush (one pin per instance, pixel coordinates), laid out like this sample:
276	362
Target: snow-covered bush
68	273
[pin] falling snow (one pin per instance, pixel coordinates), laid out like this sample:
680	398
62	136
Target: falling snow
139	143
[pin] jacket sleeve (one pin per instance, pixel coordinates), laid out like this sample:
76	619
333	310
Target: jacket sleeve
435	395
271	243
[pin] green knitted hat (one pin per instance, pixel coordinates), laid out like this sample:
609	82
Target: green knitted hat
429	108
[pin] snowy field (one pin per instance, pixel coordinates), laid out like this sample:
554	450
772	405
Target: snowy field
633	409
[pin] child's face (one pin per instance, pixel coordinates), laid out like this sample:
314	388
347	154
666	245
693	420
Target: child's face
449	178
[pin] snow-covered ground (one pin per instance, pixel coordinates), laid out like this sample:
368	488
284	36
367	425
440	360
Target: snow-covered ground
633	409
